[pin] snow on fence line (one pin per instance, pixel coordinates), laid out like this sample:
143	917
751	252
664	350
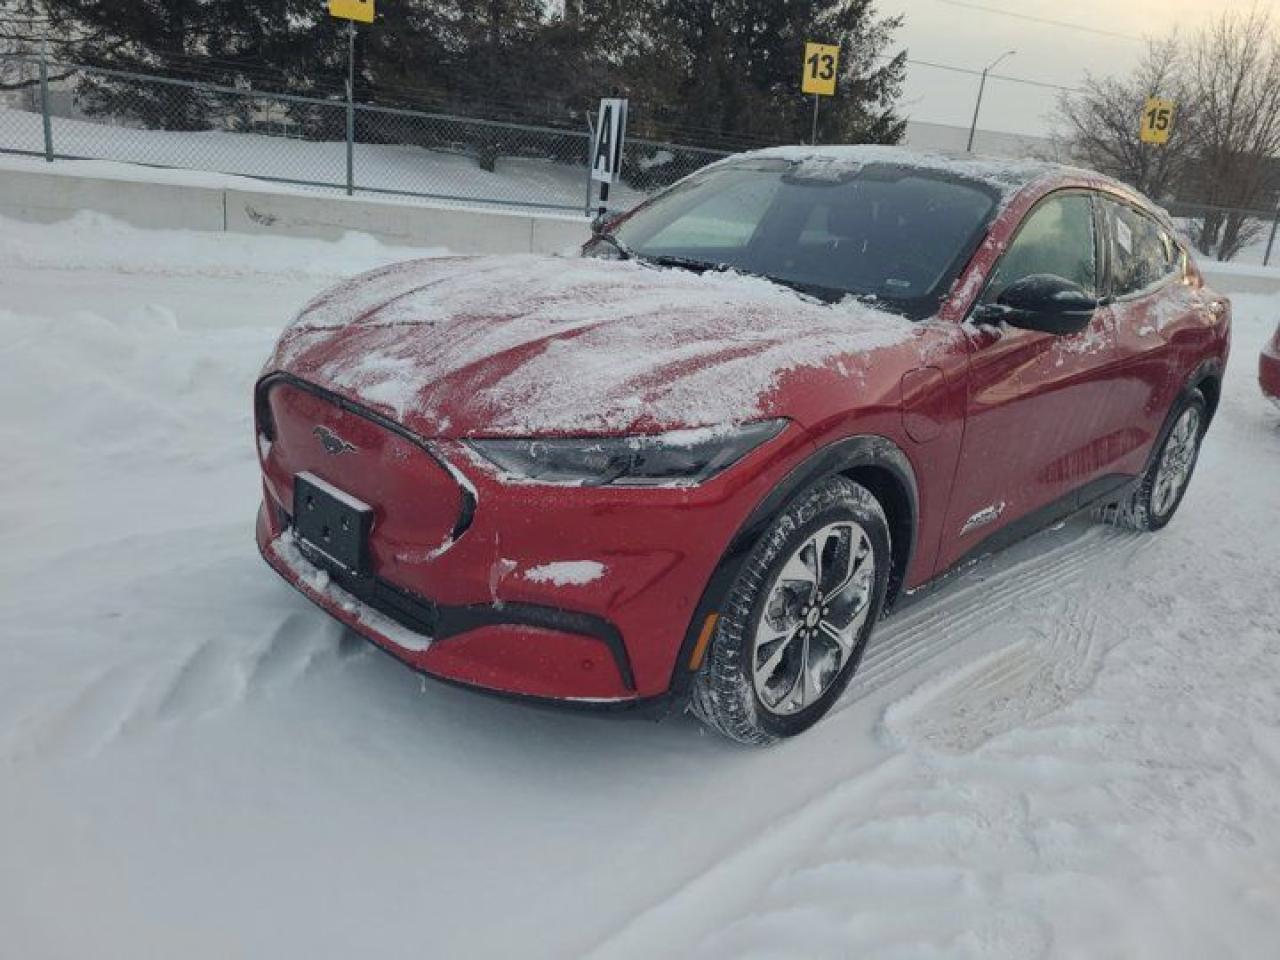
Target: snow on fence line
97	113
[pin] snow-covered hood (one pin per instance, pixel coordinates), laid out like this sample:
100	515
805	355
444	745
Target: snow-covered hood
526	345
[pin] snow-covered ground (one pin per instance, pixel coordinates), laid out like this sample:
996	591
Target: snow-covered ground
1071	751
442	175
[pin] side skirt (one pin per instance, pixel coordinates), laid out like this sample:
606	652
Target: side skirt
1098	492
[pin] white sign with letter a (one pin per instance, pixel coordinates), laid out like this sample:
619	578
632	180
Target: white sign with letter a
611	132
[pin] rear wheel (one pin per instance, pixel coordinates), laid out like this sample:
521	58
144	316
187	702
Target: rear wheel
1165	483
797	617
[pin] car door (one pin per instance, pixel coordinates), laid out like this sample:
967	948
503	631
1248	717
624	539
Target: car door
1037	402
1161	316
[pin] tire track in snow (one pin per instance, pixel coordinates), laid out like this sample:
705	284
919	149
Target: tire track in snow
1012	687
899	646
762	869
214	676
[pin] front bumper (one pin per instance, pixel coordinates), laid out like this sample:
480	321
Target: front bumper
480	609
409	626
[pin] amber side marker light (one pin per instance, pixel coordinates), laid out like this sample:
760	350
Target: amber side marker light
704	638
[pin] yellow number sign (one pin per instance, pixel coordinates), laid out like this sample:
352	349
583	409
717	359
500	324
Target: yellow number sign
1157	121
821	60
361	10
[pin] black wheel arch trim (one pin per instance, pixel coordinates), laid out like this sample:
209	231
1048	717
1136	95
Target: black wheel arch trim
842	457
1210	369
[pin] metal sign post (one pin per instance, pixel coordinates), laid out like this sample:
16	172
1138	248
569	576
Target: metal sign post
352	11
818	76
607	143
1271	240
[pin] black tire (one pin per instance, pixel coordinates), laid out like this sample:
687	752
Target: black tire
1144	509
724	692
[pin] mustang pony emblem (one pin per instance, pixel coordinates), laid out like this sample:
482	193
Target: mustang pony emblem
331	442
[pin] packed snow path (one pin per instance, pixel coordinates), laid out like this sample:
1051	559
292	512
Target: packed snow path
1072	750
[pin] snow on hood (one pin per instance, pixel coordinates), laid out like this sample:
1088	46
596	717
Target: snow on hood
528	345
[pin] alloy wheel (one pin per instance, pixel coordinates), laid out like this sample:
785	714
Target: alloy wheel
1176	462
814	611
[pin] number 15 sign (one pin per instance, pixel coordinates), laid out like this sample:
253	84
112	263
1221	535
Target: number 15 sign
1157	121
821	61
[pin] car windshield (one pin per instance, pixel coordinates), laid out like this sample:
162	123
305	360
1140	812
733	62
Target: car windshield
889	232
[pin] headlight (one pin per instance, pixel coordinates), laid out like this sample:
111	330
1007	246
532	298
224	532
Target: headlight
680	457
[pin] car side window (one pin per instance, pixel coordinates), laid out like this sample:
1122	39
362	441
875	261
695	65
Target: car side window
1142	251
1057	238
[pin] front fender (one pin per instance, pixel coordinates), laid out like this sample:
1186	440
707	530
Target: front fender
866	453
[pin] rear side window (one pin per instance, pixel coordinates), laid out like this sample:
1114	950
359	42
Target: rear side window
1143	253
1057	238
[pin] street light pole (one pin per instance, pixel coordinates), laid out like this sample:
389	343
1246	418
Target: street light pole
982	86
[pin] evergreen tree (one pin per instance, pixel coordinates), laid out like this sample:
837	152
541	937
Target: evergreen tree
739	63
718	71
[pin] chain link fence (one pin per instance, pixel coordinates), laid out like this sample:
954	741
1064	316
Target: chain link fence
1229	233
67	111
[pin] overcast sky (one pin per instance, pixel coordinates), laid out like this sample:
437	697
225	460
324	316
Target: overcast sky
939	31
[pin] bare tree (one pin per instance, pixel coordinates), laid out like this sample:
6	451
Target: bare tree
1234	69
1102	122
1226	136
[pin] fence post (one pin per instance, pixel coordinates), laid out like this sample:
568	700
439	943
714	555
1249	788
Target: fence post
1271	241
44	101
591	136
351	107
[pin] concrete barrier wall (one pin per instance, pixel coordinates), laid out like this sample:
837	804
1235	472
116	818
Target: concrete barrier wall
461	230
187	200
46	196
1233	280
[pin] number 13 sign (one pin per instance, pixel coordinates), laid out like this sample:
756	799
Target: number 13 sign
821	61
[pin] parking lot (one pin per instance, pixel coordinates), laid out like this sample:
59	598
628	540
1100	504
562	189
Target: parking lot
1076	744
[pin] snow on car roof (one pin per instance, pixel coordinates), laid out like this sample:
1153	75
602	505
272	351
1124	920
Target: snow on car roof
1006	175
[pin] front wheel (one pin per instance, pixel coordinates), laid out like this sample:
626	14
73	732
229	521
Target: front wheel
797	617
1165	483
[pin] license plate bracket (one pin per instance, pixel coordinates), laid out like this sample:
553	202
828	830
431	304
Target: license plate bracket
332	522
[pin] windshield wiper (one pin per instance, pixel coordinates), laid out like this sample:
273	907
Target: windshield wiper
815	290
623	250
684	263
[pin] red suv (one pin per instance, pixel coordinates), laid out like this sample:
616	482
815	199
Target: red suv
696	465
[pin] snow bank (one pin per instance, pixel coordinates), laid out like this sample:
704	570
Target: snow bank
92	241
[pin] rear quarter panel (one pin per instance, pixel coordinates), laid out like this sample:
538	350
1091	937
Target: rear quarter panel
1164	340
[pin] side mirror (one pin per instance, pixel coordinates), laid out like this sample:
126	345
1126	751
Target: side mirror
1043	302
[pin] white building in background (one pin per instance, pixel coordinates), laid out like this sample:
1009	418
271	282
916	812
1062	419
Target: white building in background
953	139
